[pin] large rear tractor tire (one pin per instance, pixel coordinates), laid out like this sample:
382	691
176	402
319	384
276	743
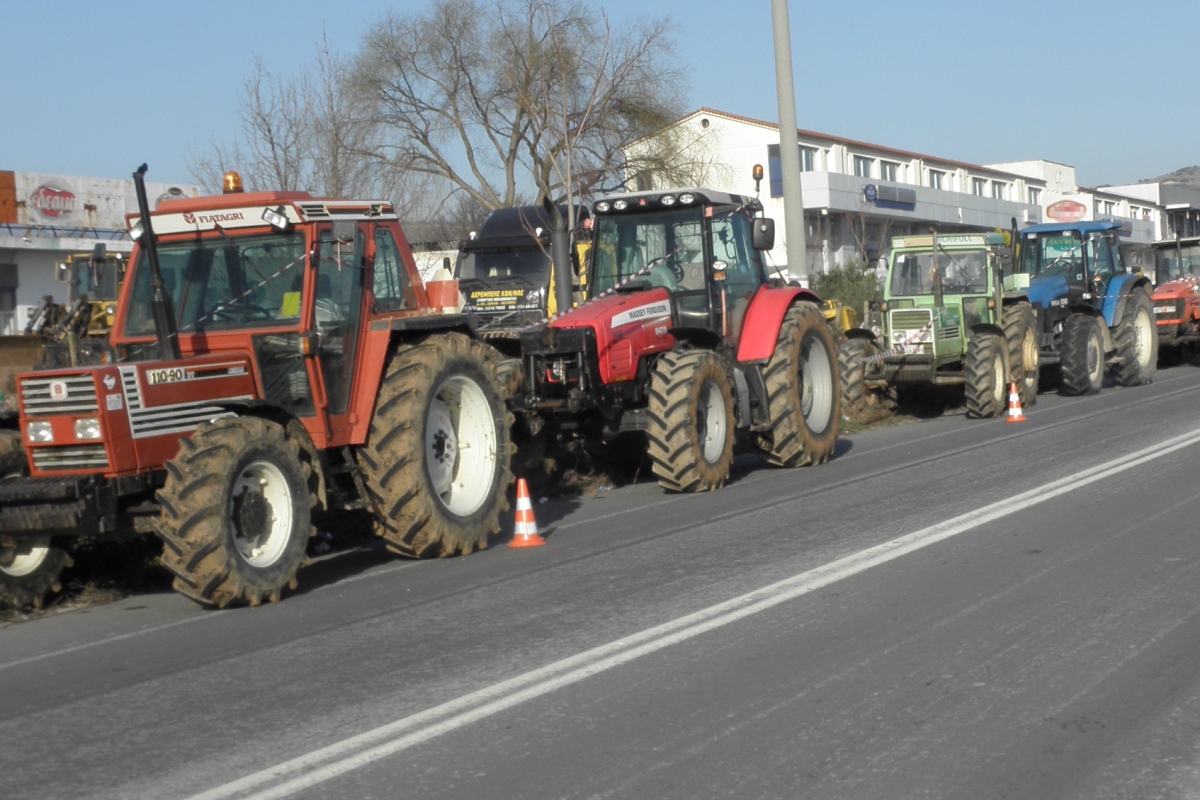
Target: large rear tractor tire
1020	333
985	373
1082	367
852	367
803	392
31	569
236	513
436	460
691	422
1136	338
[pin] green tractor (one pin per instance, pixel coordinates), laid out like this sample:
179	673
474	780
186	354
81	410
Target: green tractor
956	319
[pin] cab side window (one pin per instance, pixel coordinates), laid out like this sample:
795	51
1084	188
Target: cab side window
390	284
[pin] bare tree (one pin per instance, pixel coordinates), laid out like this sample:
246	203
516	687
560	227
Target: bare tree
484	94
309	132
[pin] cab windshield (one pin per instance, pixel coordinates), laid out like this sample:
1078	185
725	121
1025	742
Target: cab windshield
98	281
963	272
530	265
1051	255
659	245
1173	263
223	283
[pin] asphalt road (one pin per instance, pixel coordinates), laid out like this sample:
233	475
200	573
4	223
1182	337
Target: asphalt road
949	609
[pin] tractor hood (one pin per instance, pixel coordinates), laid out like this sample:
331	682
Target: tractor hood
1043	290
627	327
617	311
1184	287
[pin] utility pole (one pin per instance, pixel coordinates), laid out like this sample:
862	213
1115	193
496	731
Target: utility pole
789	147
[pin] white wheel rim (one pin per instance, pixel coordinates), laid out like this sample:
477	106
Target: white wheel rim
1094	361
1030	358
711	422
261	514
24	559
1142	331
816	384
460	445
998	379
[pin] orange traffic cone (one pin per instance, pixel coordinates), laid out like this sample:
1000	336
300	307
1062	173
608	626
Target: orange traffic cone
1015	414
525	532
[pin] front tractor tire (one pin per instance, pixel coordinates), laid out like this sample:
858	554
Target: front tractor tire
436	460
803	393
1020	333
31	569
1136	338
852	367
690	429
985	372
236	513
1082	367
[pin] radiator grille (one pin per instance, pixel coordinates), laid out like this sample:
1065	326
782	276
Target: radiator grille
58	459
80	397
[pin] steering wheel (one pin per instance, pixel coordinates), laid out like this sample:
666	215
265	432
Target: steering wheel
240	312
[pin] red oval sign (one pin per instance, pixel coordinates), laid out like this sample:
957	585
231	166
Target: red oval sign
53	202
1066	211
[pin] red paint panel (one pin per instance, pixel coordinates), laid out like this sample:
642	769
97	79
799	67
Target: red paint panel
760	331
621	340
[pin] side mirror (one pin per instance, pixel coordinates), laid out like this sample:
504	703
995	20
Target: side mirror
62	272
345	233
763	237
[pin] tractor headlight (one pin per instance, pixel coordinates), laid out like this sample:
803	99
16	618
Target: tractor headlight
602	206
88	428
667	200
687	198
620	205
40	433
276	217
135	230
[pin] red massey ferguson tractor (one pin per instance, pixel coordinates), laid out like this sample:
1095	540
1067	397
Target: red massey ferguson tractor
277	359
686	339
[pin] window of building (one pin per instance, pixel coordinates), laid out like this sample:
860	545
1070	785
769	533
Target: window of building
1108	208
978	186
935	178
862	166
887	170
999	189
1035	195
807	157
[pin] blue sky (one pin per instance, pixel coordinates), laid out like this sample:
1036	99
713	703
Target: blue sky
96	88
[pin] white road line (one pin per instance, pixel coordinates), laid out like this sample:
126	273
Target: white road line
313	769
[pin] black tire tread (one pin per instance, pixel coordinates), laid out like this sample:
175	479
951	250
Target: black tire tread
852	368
1128	371
193	502
791	442
1018	318
411	521
1074	378
671	435
30	590
980	391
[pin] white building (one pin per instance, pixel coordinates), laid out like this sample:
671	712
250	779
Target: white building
858	195
45	218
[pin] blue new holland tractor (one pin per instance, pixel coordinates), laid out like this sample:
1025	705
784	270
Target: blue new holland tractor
1092	312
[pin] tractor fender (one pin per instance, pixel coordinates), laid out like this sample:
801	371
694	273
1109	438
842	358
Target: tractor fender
263	409
1117	298
986	327
764	317
862	333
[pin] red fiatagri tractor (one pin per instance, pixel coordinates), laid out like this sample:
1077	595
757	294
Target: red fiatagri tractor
277	358
687	339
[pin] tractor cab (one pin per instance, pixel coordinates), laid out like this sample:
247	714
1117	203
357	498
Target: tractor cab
702	249
1071	265
94	279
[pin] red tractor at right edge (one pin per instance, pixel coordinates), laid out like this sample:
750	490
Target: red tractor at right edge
686	339
1176	297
